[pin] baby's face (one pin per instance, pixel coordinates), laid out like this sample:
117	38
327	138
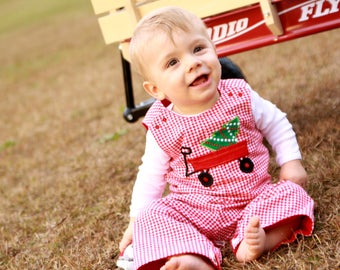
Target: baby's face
183	69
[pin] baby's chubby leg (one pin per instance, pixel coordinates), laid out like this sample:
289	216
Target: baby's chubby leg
187	262
257	241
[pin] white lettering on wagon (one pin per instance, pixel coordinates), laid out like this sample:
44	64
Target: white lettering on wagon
317	9
220	32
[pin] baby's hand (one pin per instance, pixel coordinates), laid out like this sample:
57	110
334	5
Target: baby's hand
127	237
294	171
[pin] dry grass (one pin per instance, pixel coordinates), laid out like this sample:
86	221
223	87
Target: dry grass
68	159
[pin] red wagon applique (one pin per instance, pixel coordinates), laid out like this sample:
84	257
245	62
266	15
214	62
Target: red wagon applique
225	148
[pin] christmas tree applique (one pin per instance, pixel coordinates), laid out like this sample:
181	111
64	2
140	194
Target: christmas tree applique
226	136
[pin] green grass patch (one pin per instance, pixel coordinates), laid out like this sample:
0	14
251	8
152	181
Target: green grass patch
112	137
7	144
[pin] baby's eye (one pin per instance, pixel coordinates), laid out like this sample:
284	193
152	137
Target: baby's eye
172	62
198	48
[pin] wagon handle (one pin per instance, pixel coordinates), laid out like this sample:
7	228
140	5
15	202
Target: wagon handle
132	112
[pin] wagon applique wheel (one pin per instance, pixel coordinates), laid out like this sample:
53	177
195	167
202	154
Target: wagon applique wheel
206	179
246	165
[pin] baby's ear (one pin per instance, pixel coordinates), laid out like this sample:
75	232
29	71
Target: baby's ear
153	90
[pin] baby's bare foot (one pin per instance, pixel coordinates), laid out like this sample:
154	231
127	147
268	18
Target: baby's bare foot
187	262
253	244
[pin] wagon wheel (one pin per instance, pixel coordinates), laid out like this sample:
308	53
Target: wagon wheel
206	179
246	165
230	70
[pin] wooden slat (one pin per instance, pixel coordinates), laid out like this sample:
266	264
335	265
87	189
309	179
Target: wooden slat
123	15
102	6
116	27
201	9
271	17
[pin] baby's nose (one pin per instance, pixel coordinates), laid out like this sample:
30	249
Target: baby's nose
193	63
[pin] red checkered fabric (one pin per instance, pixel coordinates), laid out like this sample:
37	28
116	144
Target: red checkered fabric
195	218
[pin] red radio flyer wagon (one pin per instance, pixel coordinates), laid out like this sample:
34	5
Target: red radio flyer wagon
234	26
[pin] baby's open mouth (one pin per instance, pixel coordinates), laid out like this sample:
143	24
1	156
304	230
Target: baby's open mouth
199	80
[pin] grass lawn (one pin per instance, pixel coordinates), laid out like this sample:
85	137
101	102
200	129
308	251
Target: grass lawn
68	159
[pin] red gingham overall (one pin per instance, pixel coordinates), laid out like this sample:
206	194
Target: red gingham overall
196	219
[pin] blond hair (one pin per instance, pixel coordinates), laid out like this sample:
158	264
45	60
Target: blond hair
166	20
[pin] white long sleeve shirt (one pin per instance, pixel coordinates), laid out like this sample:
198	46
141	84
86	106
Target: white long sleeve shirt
272	123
